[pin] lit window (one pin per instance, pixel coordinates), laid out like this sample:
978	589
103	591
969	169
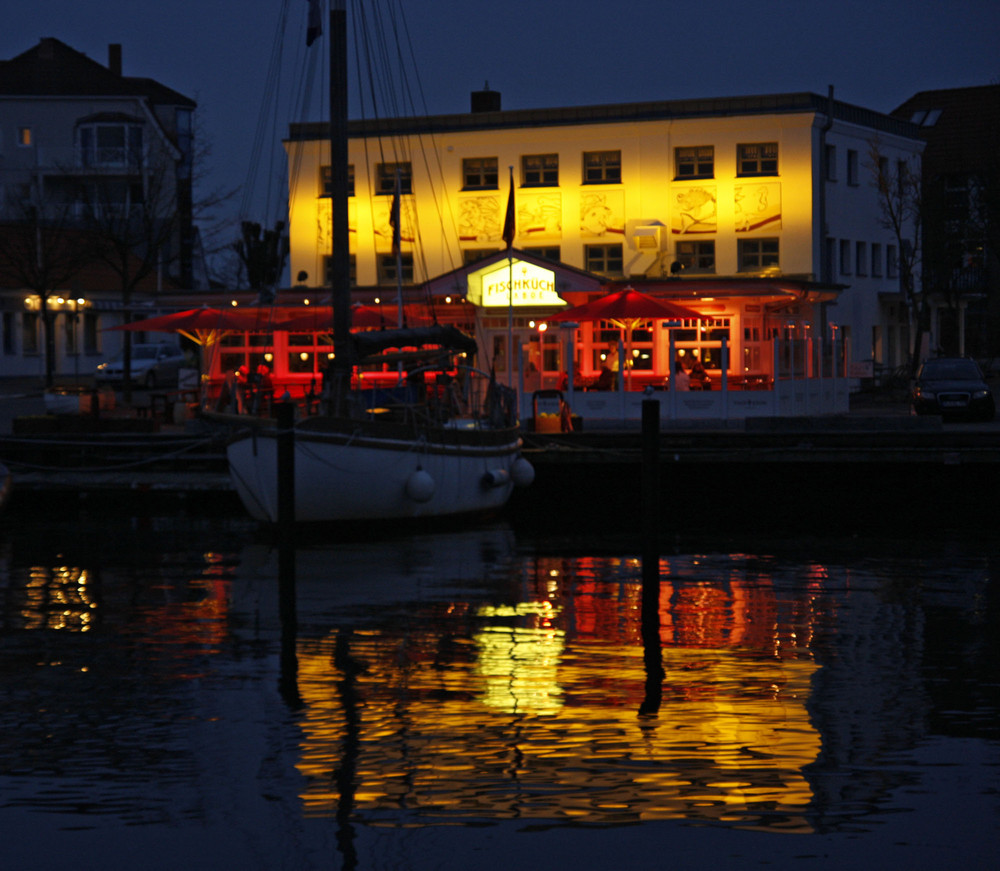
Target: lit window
479	173
603	259
602	167
694	162
385	178
540	170
760	158
24	137
757	254
325	177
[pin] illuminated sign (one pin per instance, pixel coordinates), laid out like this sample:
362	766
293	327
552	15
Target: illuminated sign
532	285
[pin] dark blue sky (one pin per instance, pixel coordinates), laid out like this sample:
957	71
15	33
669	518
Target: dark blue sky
876	53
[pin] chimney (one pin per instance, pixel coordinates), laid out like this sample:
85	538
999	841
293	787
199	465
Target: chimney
486	100
115	58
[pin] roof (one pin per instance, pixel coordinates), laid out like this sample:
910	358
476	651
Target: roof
53	69
714	107
961	125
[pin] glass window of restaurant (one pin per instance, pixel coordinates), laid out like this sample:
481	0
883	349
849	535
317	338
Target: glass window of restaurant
245	349
699	338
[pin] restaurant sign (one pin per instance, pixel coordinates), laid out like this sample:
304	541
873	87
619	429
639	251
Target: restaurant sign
522	284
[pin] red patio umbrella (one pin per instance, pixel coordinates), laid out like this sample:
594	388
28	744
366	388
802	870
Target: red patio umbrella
202	325
320	319
626	308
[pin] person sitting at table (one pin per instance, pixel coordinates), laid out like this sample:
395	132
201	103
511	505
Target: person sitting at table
699	376
606	380
681	379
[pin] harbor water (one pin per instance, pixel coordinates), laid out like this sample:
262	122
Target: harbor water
180	693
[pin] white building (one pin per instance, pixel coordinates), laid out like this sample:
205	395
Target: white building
695	200
79	138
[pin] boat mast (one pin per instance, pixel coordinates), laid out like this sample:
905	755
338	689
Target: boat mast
340	253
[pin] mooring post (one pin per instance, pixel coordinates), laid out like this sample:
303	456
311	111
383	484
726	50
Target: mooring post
651	556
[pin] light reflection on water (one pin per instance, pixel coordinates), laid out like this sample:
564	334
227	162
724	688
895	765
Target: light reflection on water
473	678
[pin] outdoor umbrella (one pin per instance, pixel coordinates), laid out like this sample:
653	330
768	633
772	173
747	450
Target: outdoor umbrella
202	325
626	308
320	319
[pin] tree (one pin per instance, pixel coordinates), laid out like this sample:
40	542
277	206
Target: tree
262	254
41	250
901	210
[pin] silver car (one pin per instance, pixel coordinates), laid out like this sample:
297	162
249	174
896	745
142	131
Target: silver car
152	366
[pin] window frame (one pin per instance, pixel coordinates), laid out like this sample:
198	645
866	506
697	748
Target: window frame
480	174
611	253
324	180
758	164
760	255
547	175
385	268
385	178
700	168
602	167
696	256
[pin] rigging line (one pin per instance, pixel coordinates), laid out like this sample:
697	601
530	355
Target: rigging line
270	93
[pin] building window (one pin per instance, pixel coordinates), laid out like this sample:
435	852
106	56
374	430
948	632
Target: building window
603	259
385	178
757	254
546	252
861	258
110	144
473	255
479	173
25	139
845	257
91	341
352	268
831	162
325	188
759	158
696	256
877	259
852	167
9	341
387	273
29	333
694	161
891	262
602	167
540	170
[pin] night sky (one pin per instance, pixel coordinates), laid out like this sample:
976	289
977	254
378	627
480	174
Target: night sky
876	53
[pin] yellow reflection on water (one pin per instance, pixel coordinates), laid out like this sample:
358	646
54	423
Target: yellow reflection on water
56	598
520	722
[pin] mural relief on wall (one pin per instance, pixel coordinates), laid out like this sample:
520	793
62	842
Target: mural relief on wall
324	223
539	216
602	213
382	225
757	206
695	211
480	218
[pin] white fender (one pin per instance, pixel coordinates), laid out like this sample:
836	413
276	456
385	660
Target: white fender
522	472
420	486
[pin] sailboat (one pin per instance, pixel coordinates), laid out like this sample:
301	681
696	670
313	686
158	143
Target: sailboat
426	448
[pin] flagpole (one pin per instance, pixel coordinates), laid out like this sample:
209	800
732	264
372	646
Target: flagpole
508	236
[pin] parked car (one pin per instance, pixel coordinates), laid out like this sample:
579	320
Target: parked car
152	366
952	387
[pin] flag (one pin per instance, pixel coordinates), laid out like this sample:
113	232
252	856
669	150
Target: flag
394	217
508	223
314	23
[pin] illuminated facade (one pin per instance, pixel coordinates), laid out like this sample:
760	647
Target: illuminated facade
758	211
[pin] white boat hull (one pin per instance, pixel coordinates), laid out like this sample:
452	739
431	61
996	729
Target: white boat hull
341	476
